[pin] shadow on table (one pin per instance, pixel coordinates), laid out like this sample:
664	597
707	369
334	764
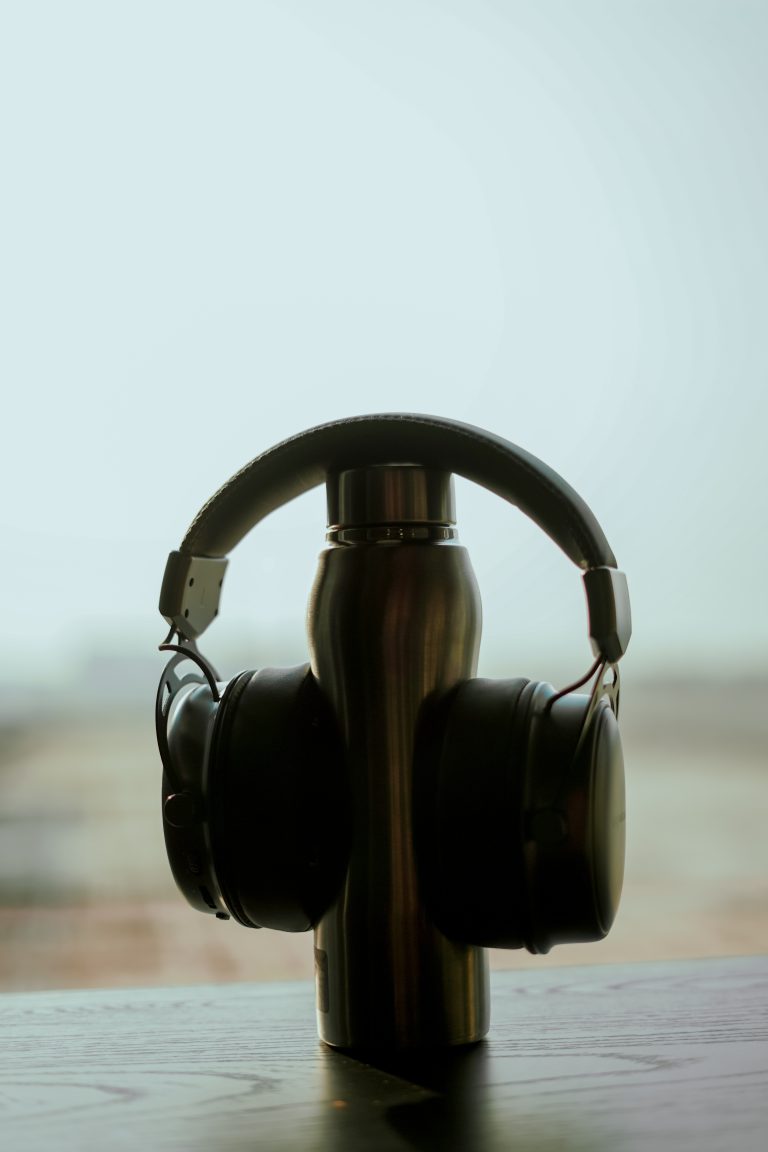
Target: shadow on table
436	1101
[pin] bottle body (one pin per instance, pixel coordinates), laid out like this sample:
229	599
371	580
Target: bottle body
391	623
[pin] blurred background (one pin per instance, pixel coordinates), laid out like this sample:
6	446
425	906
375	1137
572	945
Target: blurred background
222	224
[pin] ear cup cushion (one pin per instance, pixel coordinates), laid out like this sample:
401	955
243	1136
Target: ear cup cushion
520	822
278	800
470	756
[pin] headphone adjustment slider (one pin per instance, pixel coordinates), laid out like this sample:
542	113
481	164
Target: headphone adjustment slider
189	597
610	619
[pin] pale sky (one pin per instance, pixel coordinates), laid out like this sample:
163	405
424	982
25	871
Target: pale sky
224	223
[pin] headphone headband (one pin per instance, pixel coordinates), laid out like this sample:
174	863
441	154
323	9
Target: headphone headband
190	592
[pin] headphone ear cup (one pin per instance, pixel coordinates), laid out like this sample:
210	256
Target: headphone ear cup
184	731
574	822
469	795
520	815
278	799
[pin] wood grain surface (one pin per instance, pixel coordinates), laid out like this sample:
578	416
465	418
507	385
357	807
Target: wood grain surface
671	1055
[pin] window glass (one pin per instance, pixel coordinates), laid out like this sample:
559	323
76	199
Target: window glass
225	224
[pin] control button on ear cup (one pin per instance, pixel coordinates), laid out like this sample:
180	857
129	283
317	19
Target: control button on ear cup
277	789
468	805
573	880
181	810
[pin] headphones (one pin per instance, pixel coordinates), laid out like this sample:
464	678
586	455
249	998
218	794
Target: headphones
518	789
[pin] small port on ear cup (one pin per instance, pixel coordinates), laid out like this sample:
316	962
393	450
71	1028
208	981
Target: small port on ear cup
546	827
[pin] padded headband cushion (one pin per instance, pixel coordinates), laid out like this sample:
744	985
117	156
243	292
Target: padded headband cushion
189	597
304	461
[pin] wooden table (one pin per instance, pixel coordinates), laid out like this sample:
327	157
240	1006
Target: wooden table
624	1057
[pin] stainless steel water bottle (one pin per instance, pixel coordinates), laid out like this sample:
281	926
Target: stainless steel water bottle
411	814
394	618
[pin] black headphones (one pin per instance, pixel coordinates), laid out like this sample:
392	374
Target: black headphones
519	790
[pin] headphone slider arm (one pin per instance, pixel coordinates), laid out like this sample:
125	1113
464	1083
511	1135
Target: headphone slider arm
610	621
189	597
